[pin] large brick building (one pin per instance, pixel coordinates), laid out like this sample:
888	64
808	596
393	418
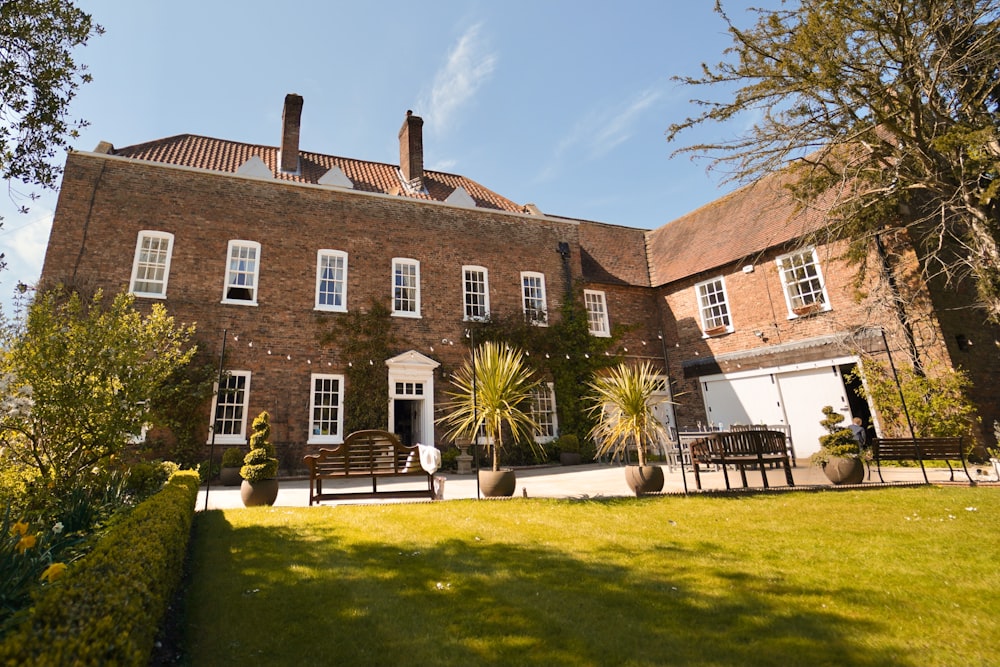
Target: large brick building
271	244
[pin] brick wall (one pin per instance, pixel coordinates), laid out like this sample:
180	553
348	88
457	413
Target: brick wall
106	201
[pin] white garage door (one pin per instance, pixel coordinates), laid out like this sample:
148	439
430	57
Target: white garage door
805	394
788	395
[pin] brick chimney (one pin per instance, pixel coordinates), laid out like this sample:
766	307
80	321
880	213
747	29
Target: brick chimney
411	151
290	118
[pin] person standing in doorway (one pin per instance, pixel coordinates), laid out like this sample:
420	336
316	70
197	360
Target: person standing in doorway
858	431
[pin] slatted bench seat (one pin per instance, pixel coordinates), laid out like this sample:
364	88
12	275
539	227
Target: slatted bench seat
741	449
920	450
373	454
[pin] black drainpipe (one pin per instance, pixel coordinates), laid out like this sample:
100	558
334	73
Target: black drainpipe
564	253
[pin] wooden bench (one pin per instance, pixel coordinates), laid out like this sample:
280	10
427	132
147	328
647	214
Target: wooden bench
920	450
741	449
374	454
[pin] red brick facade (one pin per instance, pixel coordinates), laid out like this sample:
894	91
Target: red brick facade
107	199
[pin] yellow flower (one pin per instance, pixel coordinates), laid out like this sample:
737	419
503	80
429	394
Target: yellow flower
19	528
53	572
25	543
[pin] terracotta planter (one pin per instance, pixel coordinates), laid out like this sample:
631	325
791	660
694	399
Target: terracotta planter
644	479
264	492
803	311
845	471
715	331
230	476
497	483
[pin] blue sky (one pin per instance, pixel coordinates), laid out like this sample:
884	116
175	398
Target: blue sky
560	103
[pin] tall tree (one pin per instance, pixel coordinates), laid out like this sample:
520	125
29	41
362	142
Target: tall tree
38	79
886	113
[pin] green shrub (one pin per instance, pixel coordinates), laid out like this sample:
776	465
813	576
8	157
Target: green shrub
232	457
107	607
260	463
146	478
568	443
838	442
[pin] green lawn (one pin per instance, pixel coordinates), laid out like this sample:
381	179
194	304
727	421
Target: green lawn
899	576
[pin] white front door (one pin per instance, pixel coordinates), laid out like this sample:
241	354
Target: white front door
411	397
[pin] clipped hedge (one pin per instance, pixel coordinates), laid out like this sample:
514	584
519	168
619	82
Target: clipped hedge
108	606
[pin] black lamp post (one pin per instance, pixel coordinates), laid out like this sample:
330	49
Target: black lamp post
215	415
471	333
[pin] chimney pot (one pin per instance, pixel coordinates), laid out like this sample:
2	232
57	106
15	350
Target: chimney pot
411	150
290	123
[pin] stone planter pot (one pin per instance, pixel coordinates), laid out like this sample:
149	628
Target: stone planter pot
263	492
845	471
497	483
644	479
230	476
570	458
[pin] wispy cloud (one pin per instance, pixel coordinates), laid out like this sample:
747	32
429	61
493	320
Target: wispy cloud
601	131
468	67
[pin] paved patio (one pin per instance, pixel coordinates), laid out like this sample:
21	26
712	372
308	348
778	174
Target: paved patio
590	480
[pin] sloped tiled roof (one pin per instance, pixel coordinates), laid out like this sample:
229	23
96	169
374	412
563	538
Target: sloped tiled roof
199	152
735	227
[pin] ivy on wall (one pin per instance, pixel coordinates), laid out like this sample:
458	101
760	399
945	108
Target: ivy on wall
564	353
364	340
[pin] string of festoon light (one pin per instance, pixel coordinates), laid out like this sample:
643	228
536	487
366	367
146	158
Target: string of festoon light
275	353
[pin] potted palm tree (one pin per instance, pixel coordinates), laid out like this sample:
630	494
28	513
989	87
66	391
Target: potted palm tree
492	397
624	398
260	467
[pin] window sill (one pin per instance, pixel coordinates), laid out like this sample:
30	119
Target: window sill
715	331
238	302
228	440
808	311
325	440
412	316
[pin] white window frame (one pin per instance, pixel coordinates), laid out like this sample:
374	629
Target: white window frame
322	256
714	314
397	275
533	281
544	394
337	436
144	264
810	273
239	407
596	304
237	273
484	276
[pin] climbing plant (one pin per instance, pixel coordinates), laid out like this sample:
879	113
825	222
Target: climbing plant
564	352
364	340
936	401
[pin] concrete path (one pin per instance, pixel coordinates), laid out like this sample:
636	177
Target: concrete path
591	480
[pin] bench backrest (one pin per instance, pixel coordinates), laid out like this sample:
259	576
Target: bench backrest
914	449
740	443
365	453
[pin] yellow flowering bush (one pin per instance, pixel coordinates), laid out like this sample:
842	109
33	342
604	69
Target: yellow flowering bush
25	554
